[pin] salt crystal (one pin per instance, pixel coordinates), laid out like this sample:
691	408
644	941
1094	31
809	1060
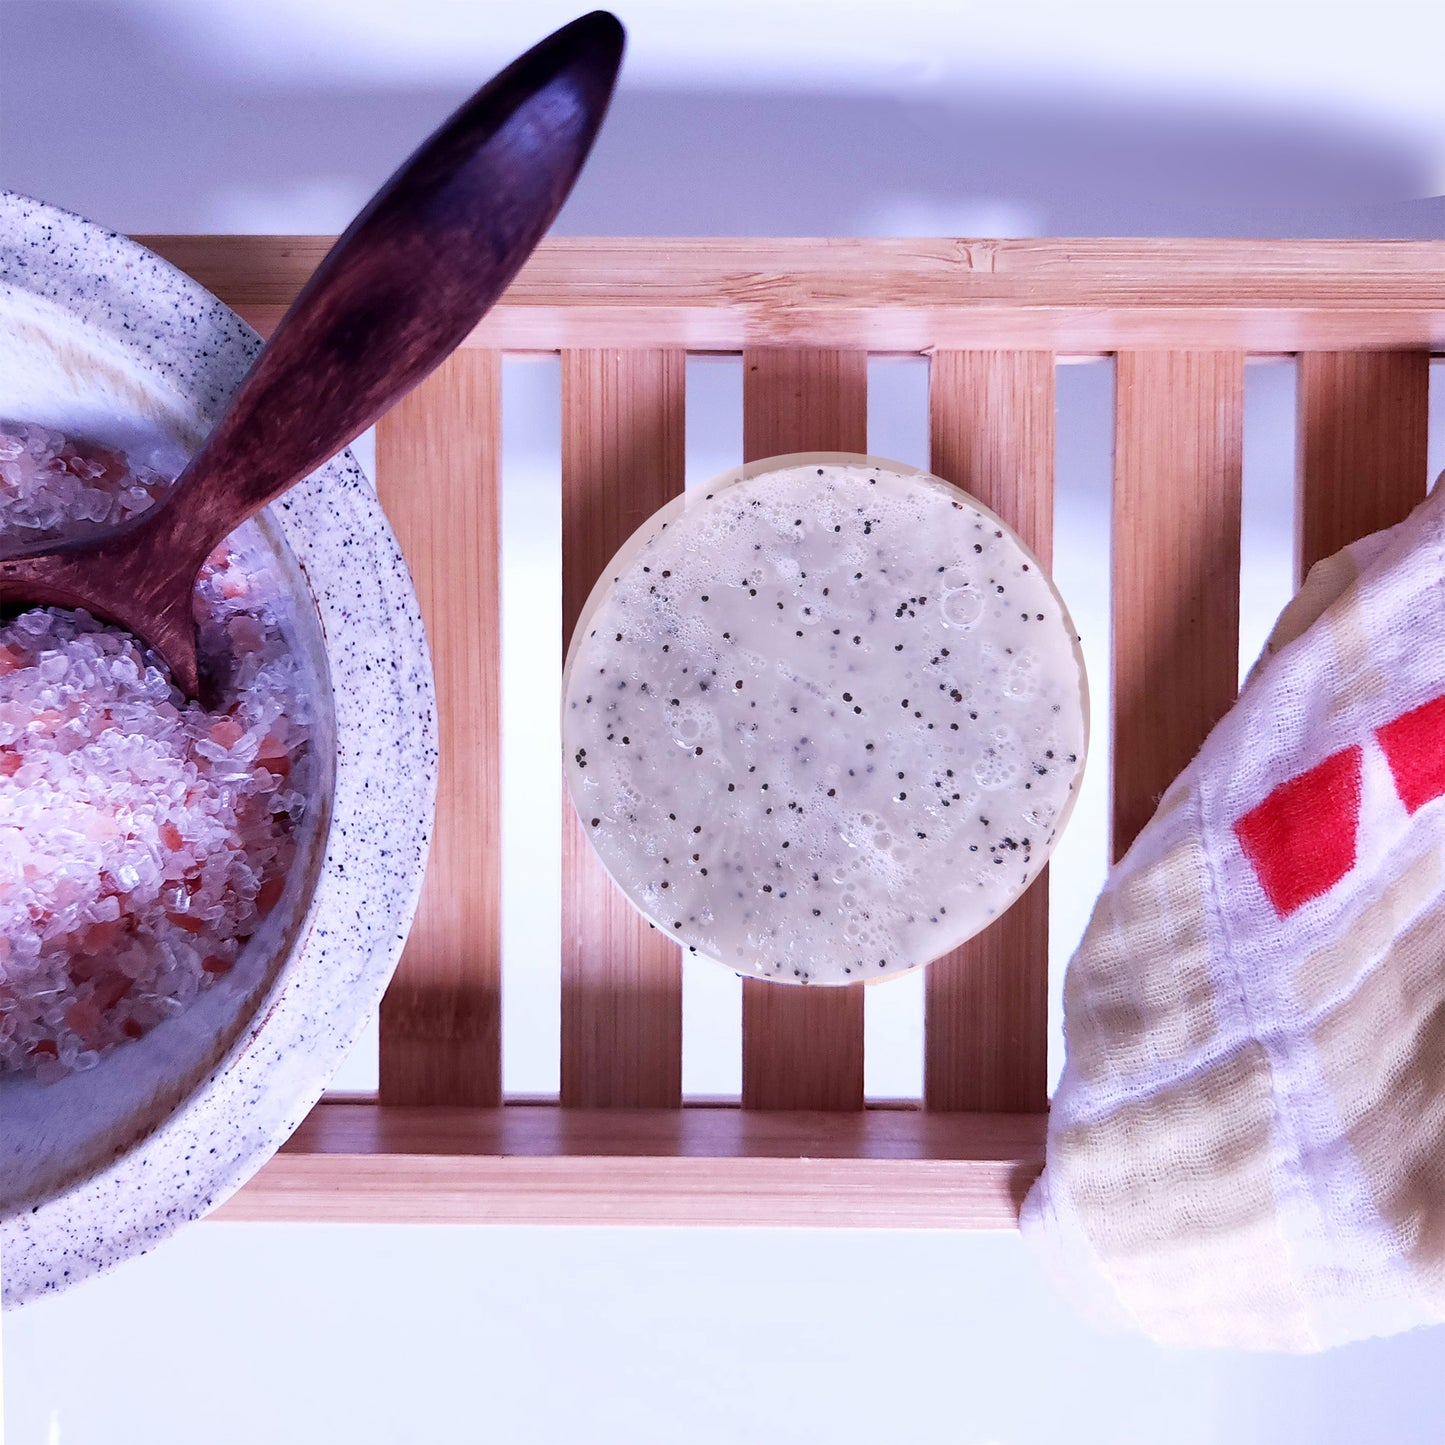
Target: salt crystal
136	831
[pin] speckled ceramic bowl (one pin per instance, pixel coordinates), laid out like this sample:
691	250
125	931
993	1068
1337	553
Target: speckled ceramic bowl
100	338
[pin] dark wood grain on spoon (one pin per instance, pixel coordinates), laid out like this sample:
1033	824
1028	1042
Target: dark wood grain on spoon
411	276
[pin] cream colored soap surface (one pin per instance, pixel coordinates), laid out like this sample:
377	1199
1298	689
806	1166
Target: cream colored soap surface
824	718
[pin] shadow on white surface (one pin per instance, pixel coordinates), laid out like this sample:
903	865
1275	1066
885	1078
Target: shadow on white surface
375	1336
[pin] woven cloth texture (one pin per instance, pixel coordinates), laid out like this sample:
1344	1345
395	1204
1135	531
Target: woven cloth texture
1247	1144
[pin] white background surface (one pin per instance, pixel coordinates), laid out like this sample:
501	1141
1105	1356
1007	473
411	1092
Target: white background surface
837	118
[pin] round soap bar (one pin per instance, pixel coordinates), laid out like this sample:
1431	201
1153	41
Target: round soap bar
824	718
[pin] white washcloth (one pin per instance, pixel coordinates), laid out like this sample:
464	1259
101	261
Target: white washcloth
1247	1147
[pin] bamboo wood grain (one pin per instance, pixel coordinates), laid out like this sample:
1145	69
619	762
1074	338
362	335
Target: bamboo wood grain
437	463
991	422
1363	420
802	1047
541	1164
1077	296
622	458
1177	467
1179	311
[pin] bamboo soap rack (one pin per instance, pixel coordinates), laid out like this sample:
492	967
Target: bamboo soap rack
440	1143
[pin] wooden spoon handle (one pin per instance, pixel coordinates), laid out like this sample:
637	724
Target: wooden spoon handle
411	276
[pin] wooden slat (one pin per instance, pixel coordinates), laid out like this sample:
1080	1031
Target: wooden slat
992	433
803	1048
540	1164
622	458
1075	296
1363	422
437	462
1177	463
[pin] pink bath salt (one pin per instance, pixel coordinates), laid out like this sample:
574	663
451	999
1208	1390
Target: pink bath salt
83	968
85	1018
110	988
274	756
101	826
272	749
99	464
100	936
265	780
247	636
270	893
227	732
140	841
52	488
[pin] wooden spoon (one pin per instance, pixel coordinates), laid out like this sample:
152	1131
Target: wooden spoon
399	291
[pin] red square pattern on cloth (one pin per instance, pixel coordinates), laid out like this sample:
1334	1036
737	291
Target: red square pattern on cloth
1301	839
1414	747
